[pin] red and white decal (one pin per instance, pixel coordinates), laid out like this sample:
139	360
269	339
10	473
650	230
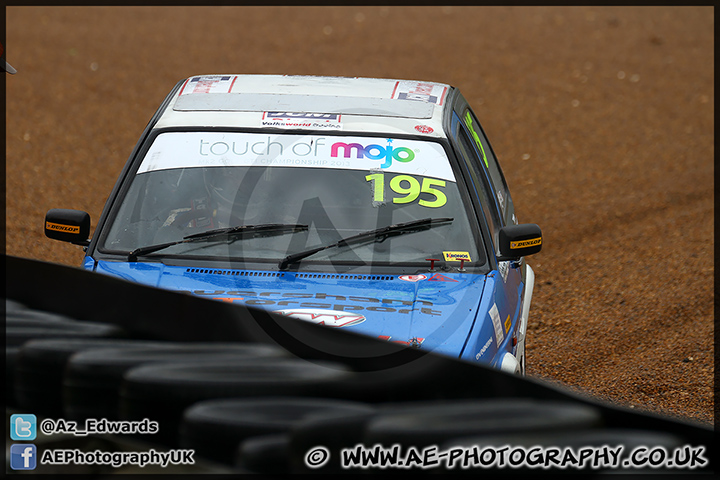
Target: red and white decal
424	128
420	91
439	277
413	278
209	84
329	318
415	341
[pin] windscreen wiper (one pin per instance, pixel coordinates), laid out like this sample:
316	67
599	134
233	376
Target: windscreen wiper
377	235
265	230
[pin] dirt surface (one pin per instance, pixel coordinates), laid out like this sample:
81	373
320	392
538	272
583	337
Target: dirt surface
602	119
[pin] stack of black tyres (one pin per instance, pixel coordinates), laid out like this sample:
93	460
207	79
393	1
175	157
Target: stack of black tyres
260	409
163	392
432	423
253	433
93	379
23	324
40	369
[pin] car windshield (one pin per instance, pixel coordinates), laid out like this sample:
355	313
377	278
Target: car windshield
339	186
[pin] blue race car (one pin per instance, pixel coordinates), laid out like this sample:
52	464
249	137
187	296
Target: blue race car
372	205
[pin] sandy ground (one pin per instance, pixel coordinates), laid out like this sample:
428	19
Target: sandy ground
602	119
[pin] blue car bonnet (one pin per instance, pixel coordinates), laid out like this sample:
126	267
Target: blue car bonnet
433	310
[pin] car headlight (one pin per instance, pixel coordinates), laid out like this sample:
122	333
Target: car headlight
509	363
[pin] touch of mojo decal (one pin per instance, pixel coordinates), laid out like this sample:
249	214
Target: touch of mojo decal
209	149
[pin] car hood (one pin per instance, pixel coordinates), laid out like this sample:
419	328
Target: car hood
432	310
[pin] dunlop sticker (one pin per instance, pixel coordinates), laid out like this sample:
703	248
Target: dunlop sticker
533	242
456	256
507	324
62	228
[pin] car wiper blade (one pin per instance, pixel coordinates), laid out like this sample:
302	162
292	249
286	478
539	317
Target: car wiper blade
256	230
264	230
376	235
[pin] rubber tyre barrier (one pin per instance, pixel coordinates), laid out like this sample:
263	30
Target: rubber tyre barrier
12	306
215	428
91	387
40	369
334	432
337	432
266	454
162	392
426	425
575	439
18	312
11	354
19	331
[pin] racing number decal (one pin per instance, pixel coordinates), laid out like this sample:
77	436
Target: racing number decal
378	186
414	190
409	188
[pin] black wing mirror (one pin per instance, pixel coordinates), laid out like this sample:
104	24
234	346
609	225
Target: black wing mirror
519	240
68	226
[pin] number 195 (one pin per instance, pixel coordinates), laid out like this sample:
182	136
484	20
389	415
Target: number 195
409	188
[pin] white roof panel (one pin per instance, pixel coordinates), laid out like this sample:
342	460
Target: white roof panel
267	102
358	104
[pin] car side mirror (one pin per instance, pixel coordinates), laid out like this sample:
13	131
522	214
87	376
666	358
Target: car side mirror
517	241
68	226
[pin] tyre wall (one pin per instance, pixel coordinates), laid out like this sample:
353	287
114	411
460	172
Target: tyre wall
251	391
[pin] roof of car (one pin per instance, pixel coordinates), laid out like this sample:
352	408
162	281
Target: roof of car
371	105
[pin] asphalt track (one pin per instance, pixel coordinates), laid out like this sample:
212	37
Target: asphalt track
602	118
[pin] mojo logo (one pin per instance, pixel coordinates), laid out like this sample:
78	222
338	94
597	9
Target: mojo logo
374	152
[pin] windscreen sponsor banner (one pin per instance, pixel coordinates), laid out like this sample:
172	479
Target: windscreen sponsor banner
209	84
214	149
